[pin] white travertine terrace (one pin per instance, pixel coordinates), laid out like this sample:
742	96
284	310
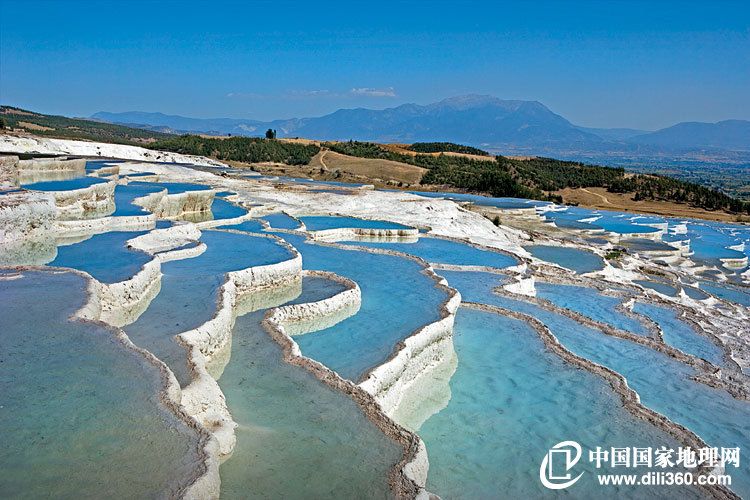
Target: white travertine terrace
123	302
39	145
98	225
167	238
80	203
411	479
52	164
203	398
8	172
27	222
415	357
299	319
524	285
348	233
164	205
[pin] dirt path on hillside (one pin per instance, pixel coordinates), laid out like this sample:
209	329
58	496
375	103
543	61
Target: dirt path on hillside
601	196
321	159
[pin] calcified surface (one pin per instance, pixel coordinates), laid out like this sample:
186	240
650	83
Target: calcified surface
289	340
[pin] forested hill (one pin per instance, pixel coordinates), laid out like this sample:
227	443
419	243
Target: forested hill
73	128
446	147
244	149
538	178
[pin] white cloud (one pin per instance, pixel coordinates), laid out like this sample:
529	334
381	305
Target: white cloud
371	92
309	93
245	95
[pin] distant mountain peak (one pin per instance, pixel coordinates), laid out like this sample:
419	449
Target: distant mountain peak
470	101
473	119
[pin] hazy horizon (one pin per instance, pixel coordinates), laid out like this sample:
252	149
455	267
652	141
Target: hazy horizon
610	65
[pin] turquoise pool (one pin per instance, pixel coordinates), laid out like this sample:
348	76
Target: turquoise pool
590	303
664	384
290	421
281	220
223	209
509	389
389	313
66	185
681	335
251	226
189	292
574	259
80	413
104	256
126	193
440	251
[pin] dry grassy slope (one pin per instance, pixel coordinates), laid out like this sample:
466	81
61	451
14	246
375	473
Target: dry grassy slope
367	167
599	198
402	149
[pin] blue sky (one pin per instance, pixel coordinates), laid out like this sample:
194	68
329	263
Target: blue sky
602	64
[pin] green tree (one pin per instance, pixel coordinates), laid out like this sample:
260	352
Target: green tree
270	134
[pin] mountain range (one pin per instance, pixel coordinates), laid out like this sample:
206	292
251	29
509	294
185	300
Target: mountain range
478	120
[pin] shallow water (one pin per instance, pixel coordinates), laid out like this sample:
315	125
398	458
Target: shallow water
281	220
389	312
94	165
65	185
296	437
727	292
709	242
662	288
681	335
623	223
663	383
315	288
319	223
190	291
126	193
175	187
104	256
80	413
223	209
574	259
590	303
251	226
582	218
509	389
440	251
695	293
646	245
